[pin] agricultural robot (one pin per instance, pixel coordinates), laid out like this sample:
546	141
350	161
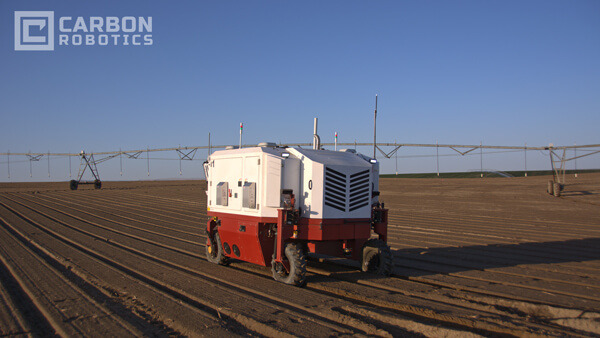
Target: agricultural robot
272	205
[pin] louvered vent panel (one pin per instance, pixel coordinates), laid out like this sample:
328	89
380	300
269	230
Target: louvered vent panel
335	189
347	192
359	190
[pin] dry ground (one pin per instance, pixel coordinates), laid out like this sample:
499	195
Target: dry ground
472	257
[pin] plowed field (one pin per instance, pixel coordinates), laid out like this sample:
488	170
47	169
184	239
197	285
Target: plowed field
473	257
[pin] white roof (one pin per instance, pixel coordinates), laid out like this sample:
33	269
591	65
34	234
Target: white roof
246	151
330	157
327	157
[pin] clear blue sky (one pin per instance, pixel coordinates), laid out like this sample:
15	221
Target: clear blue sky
497	72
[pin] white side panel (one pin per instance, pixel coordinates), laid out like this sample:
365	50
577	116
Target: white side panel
272	182
311	201
317	190
226	170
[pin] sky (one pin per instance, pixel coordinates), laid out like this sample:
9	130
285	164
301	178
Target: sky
454	72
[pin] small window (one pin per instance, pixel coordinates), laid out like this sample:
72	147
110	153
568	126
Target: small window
222	193
249	195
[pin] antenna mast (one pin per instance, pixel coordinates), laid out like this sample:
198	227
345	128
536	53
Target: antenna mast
375	129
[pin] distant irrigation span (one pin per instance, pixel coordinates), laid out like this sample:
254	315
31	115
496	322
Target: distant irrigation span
557	154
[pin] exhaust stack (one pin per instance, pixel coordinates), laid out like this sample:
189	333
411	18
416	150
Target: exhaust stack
316	138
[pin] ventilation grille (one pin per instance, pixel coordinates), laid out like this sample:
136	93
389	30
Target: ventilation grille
335	189
359	190
346	193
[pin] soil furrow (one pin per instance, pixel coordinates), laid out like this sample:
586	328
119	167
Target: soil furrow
250	295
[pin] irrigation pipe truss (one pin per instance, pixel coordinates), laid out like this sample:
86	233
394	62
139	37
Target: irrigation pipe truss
187	153
90	160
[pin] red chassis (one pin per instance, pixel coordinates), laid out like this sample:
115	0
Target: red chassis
255	239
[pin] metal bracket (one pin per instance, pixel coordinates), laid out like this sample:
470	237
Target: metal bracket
390	154
132	155
465	152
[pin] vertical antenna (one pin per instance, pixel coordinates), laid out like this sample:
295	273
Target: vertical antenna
241	128
375	129
335	141
208	145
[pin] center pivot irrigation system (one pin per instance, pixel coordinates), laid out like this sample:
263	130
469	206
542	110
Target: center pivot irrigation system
557	155
89	161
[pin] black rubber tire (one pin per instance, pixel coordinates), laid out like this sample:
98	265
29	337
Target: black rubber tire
73	185
550	189
557	188
297	258
377	258
97	184
214	250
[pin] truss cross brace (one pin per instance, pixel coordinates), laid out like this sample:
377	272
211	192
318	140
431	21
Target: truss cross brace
186	155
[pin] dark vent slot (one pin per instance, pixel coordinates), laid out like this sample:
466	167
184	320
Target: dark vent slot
335	178
336	201
358	195
358	206
359	174
335	172
335	206
359	185
360	178
334	193
330	181
359	200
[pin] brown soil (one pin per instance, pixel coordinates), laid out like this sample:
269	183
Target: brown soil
472	257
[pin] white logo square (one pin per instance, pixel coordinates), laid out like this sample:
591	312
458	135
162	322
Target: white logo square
34	30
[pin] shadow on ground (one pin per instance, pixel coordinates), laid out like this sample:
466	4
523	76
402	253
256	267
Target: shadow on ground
430	261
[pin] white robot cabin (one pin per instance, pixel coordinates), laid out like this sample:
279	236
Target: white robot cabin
274	205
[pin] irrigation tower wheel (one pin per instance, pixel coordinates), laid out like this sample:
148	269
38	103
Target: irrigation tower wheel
557	189
73	184
97	184
214	250
297	259
377	258
550	189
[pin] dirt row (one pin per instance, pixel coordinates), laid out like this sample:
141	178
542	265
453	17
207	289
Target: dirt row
129	260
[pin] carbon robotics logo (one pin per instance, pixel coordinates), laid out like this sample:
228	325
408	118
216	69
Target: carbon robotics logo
34	30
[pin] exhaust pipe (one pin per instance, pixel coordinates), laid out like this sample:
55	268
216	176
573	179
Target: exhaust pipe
316	138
